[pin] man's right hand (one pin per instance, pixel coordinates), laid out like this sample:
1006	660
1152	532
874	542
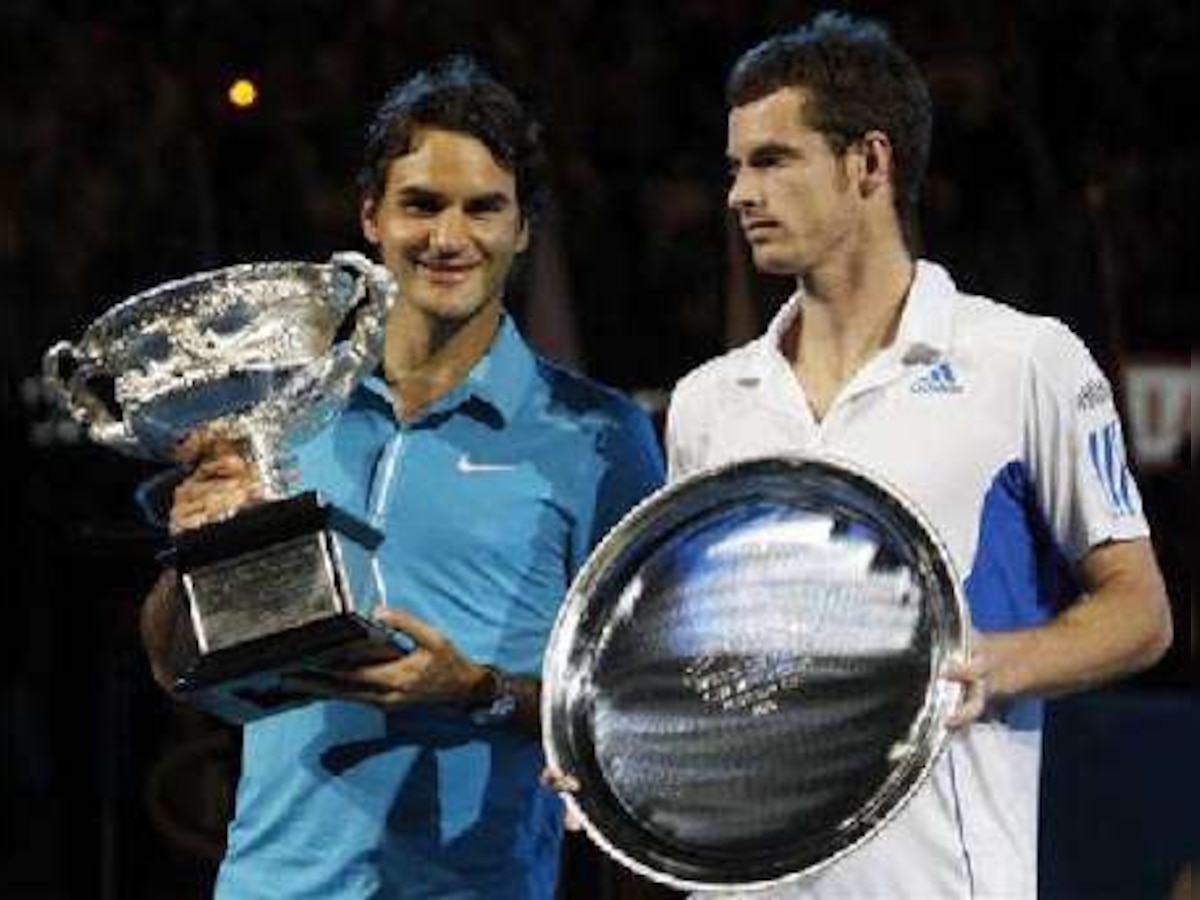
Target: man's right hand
159	620
221	482
562	785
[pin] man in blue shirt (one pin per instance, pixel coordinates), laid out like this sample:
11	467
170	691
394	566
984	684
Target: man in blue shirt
492	474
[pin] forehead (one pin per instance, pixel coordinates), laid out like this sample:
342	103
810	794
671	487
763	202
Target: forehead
449	162
777	118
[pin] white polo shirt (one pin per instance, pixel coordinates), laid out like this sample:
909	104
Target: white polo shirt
1000	426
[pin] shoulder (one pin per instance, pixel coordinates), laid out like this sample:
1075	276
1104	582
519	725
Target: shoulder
710	393
583	402
597	429
990	327
995	325
716	376
1038	356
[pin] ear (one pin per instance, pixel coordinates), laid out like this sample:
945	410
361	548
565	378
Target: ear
877	161
366	220
523	236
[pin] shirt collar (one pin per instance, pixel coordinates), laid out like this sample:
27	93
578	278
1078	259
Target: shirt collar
500	379
926	324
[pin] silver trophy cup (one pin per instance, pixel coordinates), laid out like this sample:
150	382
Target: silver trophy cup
745	677
263	354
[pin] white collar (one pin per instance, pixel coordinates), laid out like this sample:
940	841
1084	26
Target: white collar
926	323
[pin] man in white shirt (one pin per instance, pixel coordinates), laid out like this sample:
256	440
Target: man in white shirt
997	424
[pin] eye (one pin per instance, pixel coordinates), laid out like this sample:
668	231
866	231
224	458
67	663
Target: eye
421	206
419	203
772	156
485	206
766	160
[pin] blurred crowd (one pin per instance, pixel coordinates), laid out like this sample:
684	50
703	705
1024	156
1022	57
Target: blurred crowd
1057	158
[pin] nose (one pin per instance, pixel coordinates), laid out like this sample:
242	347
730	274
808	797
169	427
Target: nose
449	231
743	192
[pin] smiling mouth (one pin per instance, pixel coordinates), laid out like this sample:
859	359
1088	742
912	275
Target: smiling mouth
445	273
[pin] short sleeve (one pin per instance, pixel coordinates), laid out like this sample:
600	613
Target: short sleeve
684	454
677	462
1075	447
631	468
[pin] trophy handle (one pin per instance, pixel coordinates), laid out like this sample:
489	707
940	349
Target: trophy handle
362	292
73	381
365	290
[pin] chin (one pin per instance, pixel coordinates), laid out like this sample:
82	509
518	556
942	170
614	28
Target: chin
449	301
452	309
776	264
454	313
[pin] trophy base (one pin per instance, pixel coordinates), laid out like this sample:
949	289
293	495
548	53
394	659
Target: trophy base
248	681
281	588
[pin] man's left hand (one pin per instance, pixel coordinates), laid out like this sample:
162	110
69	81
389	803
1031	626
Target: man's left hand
434	672
972	676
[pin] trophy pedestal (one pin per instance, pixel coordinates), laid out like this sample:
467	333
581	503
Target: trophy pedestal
282	588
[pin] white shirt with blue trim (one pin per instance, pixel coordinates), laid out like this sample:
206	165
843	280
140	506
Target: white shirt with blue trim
1000	426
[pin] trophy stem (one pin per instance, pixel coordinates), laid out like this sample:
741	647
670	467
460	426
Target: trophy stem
264	450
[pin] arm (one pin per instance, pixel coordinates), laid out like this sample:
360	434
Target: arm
1121	625
434	672
158	623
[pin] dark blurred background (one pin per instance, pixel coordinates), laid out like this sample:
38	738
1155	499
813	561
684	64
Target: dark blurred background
1060	168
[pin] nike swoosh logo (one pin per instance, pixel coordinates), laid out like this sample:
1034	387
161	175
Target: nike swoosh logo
465	464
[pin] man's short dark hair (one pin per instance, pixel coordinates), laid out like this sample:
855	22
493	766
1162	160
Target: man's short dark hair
456	95
858	80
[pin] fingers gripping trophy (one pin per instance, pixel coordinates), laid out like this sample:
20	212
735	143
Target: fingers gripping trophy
256	357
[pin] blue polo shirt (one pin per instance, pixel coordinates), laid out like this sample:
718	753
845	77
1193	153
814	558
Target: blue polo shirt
489	503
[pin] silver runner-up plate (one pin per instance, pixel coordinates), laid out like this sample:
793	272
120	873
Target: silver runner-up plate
746	677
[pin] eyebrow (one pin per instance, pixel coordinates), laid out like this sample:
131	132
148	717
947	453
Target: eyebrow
493	200
418	193
765	152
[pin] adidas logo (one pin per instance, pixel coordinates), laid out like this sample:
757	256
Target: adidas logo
938	379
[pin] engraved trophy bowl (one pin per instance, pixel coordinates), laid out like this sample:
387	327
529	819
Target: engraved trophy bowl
746	676
264	354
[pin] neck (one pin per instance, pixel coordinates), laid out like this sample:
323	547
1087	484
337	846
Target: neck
851	308
425	358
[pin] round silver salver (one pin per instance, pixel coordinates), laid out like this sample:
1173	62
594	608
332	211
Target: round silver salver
745	677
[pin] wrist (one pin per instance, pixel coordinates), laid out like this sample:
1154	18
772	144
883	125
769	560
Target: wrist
1003	655
493	698
482	687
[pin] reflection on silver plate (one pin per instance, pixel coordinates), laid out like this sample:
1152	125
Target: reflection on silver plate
745	678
